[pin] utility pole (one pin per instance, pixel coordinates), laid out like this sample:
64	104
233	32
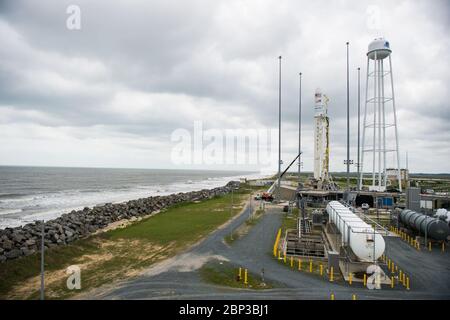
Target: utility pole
42	260
279	131
348	126
300	128
231	211
359	114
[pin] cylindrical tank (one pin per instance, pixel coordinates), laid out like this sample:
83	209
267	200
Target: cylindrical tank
379	49
434	228
367	244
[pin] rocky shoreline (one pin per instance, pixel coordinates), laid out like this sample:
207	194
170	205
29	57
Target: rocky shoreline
25	240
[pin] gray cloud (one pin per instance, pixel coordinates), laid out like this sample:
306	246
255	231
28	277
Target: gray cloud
137	71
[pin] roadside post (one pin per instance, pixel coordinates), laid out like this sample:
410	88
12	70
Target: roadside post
42	260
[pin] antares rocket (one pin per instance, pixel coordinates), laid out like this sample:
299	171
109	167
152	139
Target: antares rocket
321	137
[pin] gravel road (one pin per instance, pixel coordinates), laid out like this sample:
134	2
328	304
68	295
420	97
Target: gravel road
178	277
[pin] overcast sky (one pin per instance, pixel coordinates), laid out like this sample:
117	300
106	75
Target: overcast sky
111	93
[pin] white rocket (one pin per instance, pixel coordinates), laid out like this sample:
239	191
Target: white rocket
321	137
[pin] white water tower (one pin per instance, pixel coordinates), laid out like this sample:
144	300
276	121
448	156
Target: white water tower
380	135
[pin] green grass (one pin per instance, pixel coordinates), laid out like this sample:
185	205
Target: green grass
243	229
289	221
225	274
115	254
13	272
182	223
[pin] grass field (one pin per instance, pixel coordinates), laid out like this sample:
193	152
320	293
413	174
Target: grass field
119	253
243	229
223	273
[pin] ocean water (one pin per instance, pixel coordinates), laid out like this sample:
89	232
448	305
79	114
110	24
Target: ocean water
35	193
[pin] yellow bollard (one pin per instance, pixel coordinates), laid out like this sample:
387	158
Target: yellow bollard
310	266
392	282
443	246
350	278
275	245
245	277
407	283
279	255
389	264
400	274
321	269
404	279
292	261
396	268
392	265
353	296
429	246
331	274
299	264
284	258
240	273
365	279
332	296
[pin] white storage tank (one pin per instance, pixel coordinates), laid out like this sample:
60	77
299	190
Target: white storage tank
367	244
379	49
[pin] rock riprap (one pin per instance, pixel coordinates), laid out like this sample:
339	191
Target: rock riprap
26	240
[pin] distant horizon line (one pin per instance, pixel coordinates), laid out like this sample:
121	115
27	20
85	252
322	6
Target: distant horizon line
193	169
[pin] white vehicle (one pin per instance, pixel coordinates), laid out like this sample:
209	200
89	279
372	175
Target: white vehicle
365	206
